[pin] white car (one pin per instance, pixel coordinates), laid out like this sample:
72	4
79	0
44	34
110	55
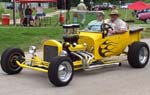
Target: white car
107	5
125	6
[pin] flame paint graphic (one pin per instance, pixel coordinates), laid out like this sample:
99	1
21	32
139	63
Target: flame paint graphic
106	47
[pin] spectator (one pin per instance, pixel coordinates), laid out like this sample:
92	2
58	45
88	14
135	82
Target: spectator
39	11
28	16
28	12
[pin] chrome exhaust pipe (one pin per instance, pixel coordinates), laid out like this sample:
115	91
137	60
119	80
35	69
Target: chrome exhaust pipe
95	67
87	58
78	55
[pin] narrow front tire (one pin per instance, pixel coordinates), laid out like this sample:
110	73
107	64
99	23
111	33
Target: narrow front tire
8	60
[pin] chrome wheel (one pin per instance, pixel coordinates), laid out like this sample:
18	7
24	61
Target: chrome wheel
64	71
60	71
143	55
138	55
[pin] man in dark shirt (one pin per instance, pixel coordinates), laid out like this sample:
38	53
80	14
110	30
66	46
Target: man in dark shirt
28	16
28	12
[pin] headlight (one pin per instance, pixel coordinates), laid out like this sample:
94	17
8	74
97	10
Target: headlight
32	49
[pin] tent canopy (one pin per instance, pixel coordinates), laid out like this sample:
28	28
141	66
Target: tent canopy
139	5
40	1
148	5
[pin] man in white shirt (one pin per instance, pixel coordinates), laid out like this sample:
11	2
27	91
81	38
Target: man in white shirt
118	25
95	25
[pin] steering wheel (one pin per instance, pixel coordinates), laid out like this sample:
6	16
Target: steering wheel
105	29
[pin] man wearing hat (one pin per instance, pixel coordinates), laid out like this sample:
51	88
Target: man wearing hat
118	25
82	7
95	25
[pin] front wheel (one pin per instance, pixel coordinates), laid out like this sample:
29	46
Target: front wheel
138	55
8	60
60	71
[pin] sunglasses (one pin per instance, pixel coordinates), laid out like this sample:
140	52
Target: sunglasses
114	15
99	15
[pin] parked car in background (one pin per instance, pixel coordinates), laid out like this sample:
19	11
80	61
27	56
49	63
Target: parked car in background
144	16
104	6
10	6
109	5
124	6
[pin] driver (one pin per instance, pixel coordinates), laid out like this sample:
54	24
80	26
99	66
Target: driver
95	25
117	24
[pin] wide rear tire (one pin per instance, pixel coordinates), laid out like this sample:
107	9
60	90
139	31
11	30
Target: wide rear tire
138	55
61	71
8	60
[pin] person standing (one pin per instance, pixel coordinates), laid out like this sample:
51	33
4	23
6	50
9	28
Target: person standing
82	15
39	11
28	12
28	15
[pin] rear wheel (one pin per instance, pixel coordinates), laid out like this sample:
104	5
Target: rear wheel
138	55
60	71
8	60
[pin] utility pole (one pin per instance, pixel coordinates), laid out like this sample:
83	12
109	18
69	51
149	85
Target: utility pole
14	12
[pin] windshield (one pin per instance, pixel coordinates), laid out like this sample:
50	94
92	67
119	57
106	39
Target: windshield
90	21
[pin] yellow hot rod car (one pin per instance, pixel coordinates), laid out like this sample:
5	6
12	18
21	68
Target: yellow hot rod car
79	50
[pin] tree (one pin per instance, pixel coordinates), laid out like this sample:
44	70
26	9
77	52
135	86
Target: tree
1	10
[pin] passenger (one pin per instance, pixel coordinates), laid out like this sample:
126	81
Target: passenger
118	25
95	25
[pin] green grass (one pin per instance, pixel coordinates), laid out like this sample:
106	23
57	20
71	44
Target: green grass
24	37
